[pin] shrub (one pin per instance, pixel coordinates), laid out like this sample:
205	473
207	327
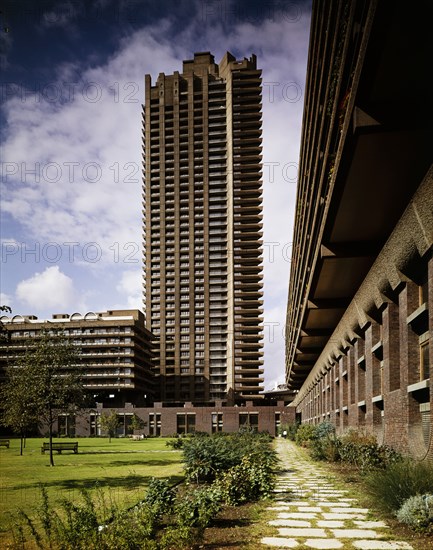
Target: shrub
205	457
160	496
362	451
79	526
324	444
176	443
176	536
248	481
401	480
199	507
417	512
305	434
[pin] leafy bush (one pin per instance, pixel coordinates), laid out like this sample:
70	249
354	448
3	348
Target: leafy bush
79	526
305	434
128	530
176	443
175	537
160	496
393	485
362	450
417	512
205	457
248	481
324	444
199	507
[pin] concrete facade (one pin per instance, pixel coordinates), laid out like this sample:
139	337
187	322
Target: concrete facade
114	348
359	318
202	226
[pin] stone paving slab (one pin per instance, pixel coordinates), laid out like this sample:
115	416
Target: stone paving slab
371	524
356	534
290	523
279	542
382	545
343	510
323	543
301	532
329	524
332	515
297	515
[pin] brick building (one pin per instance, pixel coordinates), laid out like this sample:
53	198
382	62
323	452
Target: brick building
167	420
360	310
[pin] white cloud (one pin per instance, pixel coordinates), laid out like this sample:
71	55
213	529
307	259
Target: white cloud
49	289
130	285
5	300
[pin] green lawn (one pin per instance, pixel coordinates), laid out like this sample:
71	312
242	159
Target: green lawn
121	468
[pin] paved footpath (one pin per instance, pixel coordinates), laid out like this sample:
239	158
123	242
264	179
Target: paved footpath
310	512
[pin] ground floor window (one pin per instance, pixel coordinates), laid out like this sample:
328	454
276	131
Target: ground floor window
155	424
66	425
249	420
217	422
185	423
277	423
94	427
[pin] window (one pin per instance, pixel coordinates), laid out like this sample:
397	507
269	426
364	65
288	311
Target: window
185	423
249	420
155	424
217	422
95	428
277	422
66	425
424	358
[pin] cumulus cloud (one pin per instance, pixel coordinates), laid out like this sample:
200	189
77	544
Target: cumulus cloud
49	289
5	299
130	286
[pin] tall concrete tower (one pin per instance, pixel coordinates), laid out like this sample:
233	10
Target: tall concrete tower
202	229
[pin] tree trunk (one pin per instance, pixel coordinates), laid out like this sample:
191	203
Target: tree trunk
21	444
50	427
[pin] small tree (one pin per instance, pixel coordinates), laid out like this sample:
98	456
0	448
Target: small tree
137	423
19	411
48	380
109	423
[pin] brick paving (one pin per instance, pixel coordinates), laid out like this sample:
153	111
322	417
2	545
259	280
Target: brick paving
311	512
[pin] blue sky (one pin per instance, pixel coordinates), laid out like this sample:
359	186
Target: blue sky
71	88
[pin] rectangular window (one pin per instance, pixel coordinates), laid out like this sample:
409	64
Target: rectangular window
277	422
249	420
424	356
217	422
66	425
95	428
155	424
185	423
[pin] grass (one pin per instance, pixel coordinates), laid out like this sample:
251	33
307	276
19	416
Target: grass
122	469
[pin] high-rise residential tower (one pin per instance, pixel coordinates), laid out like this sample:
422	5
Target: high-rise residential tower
202	229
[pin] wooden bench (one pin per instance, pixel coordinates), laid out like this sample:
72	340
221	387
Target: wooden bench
59	447
4	443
